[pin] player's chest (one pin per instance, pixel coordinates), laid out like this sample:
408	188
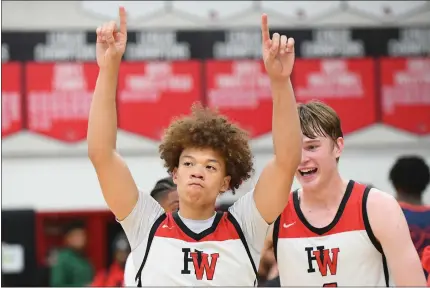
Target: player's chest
198	263
325	255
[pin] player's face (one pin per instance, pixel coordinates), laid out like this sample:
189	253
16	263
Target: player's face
318	161
200	176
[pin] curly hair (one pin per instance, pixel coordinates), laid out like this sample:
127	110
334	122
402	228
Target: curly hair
205	128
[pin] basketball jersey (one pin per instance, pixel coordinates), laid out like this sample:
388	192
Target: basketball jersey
344	253
176	256
418	218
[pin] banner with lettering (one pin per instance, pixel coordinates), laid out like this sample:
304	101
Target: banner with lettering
403	42
151	94
234	43
59	97
164	45
329	43
11	98
241	91
346	85
80	45
405	93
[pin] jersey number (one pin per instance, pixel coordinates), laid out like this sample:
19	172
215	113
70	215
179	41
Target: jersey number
334	284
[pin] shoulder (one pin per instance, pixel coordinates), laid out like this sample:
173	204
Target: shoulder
381	202
64	253
384	211
242	203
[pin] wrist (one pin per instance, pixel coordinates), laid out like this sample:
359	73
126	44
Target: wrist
110	69
280	83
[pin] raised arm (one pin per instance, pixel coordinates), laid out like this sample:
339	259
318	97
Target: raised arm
116	181
389	225
273	187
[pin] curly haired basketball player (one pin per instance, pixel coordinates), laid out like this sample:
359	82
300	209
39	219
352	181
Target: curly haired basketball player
206	155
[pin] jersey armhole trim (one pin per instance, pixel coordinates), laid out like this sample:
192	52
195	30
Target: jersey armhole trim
372	236
148	246
236	225
366	221
275	236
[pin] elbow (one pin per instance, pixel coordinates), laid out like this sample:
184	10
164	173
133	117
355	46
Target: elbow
289	162
92	150
97	154
290	156
92	154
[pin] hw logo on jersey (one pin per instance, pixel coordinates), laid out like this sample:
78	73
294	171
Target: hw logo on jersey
326	259
203	263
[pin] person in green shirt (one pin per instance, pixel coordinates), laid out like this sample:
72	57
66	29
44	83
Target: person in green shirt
72	268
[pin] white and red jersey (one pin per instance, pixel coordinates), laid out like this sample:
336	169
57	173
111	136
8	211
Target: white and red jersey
176	256
344	253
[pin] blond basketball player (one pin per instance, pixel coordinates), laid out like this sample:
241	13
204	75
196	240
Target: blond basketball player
206	155
337	232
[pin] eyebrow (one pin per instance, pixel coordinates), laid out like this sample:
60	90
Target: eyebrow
312	141
209	160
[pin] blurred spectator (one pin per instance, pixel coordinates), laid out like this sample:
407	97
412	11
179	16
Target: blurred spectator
268	275
114	275
410	176
72	268
43	274
166	195
164	192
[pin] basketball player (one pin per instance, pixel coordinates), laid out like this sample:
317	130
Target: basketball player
410	176
166	195
206	155
336	232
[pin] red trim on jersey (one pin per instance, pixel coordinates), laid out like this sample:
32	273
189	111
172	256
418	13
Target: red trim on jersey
225	230
414	208
350	220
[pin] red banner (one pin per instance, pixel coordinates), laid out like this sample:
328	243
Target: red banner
346	85
59	97
11	98
241	91
405	94
151	94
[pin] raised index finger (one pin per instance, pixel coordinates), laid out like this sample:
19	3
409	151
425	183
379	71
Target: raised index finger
122	20
264	28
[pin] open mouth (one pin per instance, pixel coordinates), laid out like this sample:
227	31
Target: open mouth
307	172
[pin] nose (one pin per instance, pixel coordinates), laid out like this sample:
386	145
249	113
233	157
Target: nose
305	157
197	175
197	172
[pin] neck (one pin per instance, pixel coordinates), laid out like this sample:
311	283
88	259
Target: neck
192	212
328	194
406	198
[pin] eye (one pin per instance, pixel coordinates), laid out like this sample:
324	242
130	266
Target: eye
187	164
211	167
312	147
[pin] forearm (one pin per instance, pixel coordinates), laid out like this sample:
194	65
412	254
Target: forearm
413	276
102	122
287	136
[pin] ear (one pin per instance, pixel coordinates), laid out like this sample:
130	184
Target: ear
338	148
225	184
175	175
